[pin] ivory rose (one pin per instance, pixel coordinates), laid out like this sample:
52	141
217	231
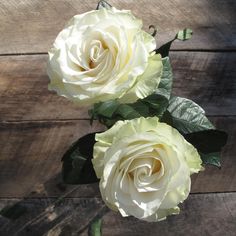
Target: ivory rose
144	168
102	55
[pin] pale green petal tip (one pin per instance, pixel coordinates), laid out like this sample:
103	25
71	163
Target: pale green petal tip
109	134
184	34
140	124
195	163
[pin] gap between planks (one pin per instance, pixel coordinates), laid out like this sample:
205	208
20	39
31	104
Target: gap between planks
171	50
92	197
81	119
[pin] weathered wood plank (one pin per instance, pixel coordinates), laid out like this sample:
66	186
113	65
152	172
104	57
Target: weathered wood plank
31	26
201	214
224	179
30	160
207	78
24	94
31	152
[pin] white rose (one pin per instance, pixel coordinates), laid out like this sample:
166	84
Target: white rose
144	168
102	55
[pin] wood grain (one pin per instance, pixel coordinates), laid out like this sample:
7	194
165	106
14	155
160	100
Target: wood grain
207	78
31	152
37	126
201	214
30	159
224	179
31	26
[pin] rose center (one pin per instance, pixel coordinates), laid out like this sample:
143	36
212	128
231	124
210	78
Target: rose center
96	51
156	166
145	167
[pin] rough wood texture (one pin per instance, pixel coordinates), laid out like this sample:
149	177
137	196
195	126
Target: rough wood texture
201	214
24	93
224	179
37	126
31	151
207	78
30	160
31	26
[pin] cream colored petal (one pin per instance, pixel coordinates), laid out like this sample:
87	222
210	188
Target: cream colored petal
177	195
147	83
99	151
150	42
161	214
107	136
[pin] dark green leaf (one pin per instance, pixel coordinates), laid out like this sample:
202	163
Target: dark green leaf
187	116
107	108
77	165
127	112
164	49
141	107
13	212
153	105
182	35
95	227
207	141
166	81
167	118
211	159
156	103
103	4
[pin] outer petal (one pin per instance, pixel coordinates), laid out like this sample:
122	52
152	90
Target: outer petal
192	157
147	83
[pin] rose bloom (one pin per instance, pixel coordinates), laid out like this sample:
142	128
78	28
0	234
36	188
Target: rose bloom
102	55
144	168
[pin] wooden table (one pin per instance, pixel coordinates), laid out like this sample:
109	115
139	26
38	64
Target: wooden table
37	126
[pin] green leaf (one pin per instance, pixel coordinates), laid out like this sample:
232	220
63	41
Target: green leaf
95	227
107	108
127	112
165	85
156	103
103	4
77	166
167	118
207	141
211	159
187	116
153	105
182	35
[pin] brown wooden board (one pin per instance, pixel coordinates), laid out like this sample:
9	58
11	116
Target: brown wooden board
207	78
201	214
31	26
31	152
37	126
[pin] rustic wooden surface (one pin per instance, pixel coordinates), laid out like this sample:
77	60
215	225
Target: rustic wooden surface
202	214
23	86
37	126
31	26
